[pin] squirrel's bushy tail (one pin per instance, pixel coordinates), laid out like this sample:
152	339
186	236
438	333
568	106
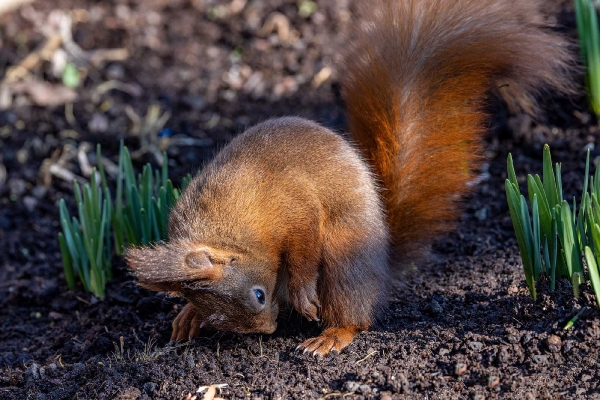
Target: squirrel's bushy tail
415	81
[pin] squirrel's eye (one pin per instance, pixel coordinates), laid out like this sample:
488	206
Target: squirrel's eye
260	296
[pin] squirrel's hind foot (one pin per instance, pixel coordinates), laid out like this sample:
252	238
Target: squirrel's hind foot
332	339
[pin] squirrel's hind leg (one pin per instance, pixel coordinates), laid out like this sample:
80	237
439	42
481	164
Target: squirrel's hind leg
352	284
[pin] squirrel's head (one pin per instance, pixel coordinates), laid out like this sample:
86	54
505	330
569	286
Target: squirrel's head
231	290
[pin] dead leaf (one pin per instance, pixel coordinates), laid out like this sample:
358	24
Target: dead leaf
45	94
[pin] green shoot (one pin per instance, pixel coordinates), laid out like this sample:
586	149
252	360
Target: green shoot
85	241
589	39
555	237
138	216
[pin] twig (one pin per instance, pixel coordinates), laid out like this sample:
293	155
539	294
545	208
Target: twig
22	69
367	356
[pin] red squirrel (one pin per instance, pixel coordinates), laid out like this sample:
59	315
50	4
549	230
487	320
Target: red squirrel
291	212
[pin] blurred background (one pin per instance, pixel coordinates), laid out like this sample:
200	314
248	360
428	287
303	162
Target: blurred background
180	75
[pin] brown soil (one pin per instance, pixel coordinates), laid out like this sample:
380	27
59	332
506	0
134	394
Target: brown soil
462	326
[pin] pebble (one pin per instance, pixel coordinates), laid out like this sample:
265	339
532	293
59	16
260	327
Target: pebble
129	393
351	386
435	309
554	343
385	397
39	192
476	346
33	371
493	381
55	315
98	123
460	369
78	367
30	203
16	186
568	346
364	389
115	71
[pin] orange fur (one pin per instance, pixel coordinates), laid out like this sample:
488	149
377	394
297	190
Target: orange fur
290	212
415	81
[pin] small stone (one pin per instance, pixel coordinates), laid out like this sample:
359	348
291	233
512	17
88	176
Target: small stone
460	369
526	338
54	315
351	386
478	397
78	367
129	393
33	371
493	381
364	389
512	337
435	309
39	192
539	359
554	343
115	71
98	123
385	397
52	367
481	214
568	346
476	346
16	187
30	203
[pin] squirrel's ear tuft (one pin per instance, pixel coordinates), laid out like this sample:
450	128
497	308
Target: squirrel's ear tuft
163	268
151	267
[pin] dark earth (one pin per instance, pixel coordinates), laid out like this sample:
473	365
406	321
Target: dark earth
461	326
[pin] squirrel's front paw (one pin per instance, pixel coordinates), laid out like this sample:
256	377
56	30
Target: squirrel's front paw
186	324
304	298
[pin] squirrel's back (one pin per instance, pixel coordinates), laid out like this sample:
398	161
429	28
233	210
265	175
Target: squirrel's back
415	79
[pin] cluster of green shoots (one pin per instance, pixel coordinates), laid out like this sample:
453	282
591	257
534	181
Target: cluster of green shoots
137	215
589	39
554	237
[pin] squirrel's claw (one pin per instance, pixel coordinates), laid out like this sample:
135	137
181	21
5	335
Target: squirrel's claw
332	339
186	325
305	300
